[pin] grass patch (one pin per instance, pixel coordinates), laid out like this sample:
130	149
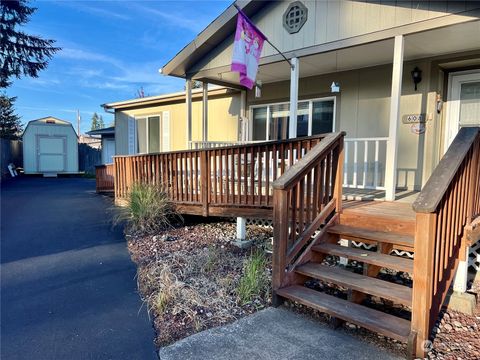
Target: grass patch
254	282
148	209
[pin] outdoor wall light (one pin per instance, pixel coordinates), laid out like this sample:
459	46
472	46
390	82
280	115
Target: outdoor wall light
416	76
258	89
335	87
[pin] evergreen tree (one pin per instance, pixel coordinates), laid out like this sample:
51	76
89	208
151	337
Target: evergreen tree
21	54
101	124
10	125
95	122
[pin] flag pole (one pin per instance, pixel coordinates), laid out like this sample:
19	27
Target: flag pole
266	39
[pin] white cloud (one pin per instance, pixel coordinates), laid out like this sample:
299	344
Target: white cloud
185	21
91	8
80	54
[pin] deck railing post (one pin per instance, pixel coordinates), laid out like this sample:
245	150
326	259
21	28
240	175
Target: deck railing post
280	236
473	180
423	272
339	159
204	180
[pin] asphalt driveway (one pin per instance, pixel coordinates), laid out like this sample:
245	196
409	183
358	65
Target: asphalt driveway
68	288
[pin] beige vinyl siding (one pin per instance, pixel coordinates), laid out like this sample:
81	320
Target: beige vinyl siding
334	20
223	118
363	107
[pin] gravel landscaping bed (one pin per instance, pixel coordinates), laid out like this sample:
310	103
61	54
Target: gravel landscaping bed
189	276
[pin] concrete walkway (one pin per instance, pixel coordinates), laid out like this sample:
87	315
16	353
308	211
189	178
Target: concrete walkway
273	334
68	288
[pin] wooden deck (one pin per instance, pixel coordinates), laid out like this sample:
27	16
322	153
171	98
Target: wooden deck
298	183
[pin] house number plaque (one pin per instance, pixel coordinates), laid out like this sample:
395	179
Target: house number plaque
414	119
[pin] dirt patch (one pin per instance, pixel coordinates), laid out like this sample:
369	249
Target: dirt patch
189	276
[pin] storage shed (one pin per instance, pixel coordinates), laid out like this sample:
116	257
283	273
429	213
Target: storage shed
50	146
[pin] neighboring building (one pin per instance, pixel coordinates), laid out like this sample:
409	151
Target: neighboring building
157	123
106	143
94	142
397	130
50	146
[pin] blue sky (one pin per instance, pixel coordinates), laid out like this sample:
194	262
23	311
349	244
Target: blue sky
109	50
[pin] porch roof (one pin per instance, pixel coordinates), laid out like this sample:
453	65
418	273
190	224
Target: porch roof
458	38
452	33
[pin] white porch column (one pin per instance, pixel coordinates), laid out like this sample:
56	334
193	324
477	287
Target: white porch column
205	112
188	112
294	74
243	130
391	161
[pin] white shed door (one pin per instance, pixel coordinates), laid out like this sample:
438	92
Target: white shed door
52	153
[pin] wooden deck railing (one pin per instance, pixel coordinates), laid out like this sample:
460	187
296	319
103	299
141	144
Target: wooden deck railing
196	145
104	175
448	202
305	197
215	181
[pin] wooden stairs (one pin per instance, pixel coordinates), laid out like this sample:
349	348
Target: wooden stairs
369	229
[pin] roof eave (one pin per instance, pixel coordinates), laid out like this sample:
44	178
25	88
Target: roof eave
217	29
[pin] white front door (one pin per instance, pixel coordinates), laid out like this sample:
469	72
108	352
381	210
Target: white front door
463	106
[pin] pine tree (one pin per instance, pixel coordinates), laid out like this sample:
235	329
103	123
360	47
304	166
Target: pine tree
21	54
95	122
101	124
10	125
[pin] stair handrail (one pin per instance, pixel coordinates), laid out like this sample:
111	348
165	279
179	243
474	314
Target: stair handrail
436	186
447	203
304	198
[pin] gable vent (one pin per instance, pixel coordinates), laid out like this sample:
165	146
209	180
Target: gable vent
295	17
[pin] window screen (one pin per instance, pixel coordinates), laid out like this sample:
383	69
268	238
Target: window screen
154	134
322	117
142	135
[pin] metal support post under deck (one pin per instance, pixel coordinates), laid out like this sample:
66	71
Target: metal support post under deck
392	145
294	74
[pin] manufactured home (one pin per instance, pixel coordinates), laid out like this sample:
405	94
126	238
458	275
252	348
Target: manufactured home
50	146
381	97
157	123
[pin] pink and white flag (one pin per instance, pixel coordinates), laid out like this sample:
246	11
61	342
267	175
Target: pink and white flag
247	48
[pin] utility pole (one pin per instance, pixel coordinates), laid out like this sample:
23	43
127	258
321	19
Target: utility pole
78	122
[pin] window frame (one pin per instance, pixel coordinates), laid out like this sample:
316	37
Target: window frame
147	132
310	114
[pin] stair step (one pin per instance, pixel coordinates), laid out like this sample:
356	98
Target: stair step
355	233
382	323
369	257
397	293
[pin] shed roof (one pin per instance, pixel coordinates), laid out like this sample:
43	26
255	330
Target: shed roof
50	120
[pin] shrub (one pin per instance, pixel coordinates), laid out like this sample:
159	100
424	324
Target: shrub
148	209
254	282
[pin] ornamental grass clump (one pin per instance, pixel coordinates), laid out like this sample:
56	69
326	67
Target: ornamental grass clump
254	283
148	209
